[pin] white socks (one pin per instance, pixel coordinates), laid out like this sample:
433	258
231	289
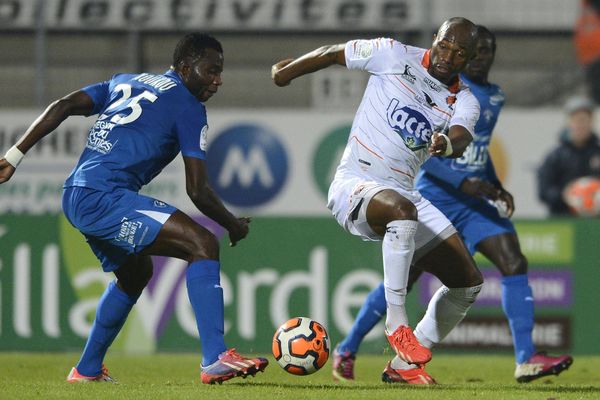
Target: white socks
398	248
446	309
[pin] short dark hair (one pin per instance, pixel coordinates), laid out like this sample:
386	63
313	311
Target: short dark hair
193	45
482	30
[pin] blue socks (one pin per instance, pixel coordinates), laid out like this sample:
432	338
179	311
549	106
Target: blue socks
517	303
369	315
206	296
112	311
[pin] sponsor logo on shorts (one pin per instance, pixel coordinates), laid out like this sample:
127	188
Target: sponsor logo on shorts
128	230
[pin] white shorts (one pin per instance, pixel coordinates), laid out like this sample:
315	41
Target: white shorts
350	195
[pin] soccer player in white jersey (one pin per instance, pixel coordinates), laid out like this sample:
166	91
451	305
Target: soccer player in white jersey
414	107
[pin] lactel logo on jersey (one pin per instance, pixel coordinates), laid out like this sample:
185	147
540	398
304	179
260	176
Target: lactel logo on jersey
248	165
410	124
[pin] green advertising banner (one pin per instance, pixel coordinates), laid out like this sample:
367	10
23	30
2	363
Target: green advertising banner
50	283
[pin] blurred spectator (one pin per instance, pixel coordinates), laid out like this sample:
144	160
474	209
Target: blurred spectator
587	45
577	155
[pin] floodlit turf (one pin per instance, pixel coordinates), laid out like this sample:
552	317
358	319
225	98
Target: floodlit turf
175	376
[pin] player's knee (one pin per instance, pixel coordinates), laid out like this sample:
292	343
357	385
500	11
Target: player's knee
474	278
205	246
403	211
516	265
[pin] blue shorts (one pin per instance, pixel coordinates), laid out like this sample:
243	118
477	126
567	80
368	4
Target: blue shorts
116	224
475	220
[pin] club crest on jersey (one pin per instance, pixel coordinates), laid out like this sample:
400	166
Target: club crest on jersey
412	126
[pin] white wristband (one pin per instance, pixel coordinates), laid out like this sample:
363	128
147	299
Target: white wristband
14	156
449	149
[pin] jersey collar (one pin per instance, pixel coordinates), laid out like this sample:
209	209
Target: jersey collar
173	74
454	85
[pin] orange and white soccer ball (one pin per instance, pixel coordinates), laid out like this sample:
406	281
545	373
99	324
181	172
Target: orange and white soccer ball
301	346
583	196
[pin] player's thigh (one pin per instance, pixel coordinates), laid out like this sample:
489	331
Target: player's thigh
451	263
348	198
386	206
504	251
181	237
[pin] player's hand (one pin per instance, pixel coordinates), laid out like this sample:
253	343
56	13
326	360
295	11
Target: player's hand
438	145
6	170
276	76
239	231
477	187
507	198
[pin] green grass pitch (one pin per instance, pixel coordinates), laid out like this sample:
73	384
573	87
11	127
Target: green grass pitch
176	376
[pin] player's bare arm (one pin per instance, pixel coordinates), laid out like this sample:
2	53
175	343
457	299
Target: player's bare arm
451	145
289	69
205	199
76	103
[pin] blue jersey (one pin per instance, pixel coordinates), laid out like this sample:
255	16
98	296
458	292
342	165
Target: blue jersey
144	121
440	178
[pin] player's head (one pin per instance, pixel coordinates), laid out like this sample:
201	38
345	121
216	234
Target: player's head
479	67
453	47
198	58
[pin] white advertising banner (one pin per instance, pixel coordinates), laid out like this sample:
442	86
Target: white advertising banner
269	162
215	15
286	15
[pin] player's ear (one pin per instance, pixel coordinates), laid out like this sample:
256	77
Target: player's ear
184	68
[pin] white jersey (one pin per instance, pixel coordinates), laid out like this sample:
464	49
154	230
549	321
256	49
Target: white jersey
401	108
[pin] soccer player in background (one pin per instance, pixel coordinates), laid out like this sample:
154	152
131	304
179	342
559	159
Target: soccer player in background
144	121
464	190
413	107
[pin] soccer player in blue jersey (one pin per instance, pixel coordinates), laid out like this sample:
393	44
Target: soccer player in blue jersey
144	121
469	193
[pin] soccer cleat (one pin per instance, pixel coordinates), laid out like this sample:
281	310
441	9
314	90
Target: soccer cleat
541	364
75	376
415	376
408	348
229	365
343	366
